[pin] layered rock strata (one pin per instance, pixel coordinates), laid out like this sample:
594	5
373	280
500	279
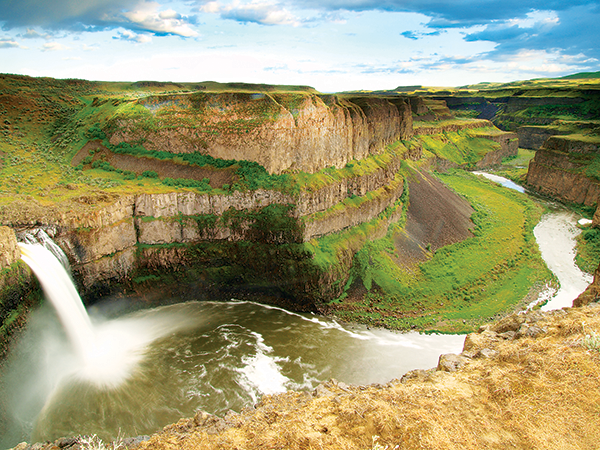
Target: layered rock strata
110	243
280	132
422	128
559	170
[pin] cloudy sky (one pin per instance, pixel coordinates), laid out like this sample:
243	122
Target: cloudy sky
333	45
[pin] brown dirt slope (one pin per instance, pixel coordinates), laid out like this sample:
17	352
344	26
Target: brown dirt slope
528	382
164	169
436	217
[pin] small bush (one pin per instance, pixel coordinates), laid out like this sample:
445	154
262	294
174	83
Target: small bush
149	174
591	340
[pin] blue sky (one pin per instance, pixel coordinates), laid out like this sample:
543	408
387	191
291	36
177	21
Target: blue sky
332	45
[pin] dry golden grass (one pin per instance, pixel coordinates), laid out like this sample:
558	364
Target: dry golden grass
535	393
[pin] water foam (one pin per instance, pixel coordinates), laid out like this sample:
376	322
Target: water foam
108	352
261	374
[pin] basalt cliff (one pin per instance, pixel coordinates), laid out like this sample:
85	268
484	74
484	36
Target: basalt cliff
235	237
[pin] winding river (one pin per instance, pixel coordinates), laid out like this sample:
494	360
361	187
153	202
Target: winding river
218	356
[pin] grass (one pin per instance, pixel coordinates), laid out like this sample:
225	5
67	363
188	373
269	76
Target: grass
464	147
591	341
356	168
470	281
588	249
515	168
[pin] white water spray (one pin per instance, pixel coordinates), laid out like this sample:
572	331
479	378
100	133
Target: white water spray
61	292
108	353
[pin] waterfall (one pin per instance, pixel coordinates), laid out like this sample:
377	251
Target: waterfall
40	237
61	292
108	352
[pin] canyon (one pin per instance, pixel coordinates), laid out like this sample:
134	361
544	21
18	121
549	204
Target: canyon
298	189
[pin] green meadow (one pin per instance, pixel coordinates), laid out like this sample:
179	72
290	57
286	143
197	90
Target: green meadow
461	285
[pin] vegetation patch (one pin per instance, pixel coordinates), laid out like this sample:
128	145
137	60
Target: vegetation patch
465	147
588	250
463	284
515	167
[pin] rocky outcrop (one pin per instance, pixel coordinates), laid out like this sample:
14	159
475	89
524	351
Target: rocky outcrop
9	252
314	199
349	214
533	137
556	173
592	292
192	204
283	132
427	129
570	144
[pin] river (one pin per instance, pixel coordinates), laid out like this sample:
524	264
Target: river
217	356
555	235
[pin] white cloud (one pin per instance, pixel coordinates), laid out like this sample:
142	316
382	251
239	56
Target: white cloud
9	43
147	17
33	34
128	35
211	8
535	18
53	47
257	11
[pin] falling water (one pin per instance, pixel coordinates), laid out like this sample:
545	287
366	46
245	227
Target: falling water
108	353
61	292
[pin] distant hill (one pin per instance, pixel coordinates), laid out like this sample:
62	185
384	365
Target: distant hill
577	76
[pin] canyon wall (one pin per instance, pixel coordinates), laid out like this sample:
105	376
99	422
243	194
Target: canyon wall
256	237
560	169
18	289
282	132
102	248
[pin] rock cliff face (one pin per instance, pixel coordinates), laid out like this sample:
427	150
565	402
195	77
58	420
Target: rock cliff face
509	146
280	132
426	129
18	290
533	137
112	243
504	110
558	170
236	239
9	252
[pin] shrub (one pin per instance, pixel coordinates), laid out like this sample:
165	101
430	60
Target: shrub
95	132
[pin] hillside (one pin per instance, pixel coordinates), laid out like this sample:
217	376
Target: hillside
203	180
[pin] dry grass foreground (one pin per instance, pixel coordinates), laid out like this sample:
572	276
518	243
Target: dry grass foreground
528	381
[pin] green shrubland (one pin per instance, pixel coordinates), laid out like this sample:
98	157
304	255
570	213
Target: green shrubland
473	280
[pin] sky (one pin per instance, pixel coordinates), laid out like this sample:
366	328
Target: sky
332	45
